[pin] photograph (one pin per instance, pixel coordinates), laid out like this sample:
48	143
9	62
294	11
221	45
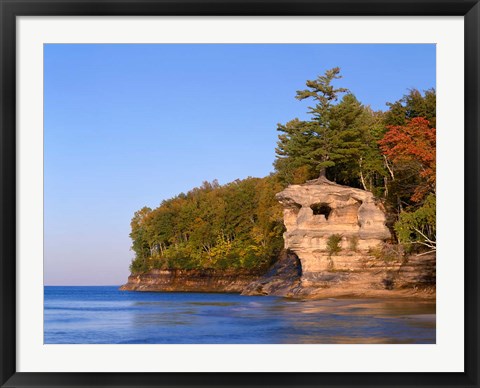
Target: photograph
239	193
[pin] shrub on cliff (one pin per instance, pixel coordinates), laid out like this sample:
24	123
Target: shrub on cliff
333	244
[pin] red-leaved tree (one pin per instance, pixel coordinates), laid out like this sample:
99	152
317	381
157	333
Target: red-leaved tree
413	143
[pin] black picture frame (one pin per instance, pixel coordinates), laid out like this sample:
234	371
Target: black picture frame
10	9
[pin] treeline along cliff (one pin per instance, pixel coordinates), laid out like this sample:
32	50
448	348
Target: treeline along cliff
234	226
225	237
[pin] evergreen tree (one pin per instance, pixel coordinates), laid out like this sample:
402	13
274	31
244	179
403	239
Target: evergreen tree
340	140
413	105
312	143
347	127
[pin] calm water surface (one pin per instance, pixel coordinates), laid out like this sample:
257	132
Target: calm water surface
104	315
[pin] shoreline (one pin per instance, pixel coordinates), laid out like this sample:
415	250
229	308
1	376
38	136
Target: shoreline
311	293
376	296
285	278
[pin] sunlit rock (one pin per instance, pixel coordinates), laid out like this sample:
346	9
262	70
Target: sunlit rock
319	209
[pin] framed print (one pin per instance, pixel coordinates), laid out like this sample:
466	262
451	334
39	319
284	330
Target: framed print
239	194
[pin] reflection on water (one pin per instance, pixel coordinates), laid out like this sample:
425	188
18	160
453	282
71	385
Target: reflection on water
106	315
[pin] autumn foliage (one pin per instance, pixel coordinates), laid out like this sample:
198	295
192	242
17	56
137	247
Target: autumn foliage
414	144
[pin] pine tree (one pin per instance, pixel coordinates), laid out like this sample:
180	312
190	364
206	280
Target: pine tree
331	143
310	143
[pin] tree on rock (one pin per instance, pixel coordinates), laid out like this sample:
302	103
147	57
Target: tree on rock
333	142
311	143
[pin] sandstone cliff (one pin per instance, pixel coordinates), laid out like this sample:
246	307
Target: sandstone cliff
319	209
364	265
190	281
365	276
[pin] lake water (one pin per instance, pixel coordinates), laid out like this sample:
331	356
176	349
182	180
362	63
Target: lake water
105	315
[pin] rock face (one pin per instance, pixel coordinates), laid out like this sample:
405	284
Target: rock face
363	267
283	278
190	281
319	209
365	277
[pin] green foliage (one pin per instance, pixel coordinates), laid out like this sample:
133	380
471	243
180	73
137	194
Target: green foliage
419	226
139	237
237	225
139	266
313	143
339	140
412	105
333	244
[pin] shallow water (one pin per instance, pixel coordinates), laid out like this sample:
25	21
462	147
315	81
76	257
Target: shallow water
104	315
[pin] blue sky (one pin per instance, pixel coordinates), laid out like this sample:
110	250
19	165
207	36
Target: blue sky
130	125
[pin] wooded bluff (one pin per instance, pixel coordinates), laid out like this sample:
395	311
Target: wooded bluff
239	226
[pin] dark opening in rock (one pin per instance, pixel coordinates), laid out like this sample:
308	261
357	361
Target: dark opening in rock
321	208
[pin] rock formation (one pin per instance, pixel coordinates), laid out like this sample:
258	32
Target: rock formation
314	212
318	209
363	266
283	278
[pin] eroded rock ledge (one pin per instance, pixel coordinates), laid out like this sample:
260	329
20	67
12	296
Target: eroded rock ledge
193	280
366	276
